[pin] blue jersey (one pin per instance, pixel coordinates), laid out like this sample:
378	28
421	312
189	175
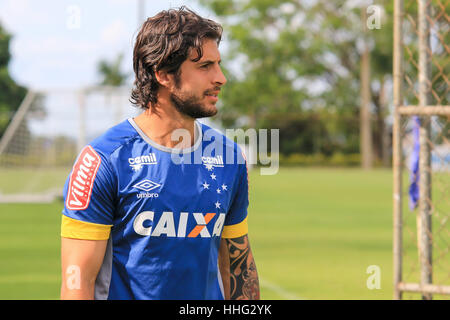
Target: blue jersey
162	210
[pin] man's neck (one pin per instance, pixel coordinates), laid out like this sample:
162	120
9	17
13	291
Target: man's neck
161	120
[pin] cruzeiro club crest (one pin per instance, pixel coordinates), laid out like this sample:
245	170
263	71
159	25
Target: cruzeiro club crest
146	185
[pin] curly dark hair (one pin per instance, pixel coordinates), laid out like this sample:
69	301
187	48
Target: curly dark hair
164	43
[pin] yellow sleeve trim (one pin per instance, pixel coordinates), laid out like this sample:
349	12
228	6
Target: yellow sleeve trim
76	229
235	230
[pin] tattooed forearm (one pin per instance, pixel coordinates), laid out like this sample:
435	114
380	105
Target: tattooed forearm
244	284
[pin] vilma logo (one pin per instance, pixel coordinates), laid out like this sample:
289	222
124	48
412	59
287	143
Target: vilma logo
82	179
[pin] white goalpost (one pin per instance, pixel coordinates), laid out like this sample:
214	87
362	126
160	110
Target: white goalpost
46	133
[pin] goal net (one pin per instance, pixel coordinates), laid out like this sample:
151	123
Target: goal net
45	135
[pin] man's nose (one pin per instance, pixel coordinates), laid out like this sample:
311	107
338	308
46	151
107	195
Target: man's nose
220	78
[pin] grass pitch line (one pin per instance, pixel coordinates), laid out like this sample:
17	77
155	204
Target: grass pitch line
279	290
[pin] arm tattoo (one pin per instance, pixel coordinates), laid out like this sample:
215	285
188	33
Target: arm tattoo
244	284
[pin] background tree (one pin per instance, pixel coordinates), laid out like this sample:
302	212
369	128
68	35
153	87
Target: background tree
297	60
12	94
111	73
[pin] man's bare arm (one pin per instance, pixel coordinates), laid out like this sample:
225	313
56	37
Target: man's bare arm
238	269
80	263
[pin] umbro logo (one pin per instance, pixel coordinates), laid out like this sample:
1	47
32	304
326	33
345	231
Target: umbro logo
146	185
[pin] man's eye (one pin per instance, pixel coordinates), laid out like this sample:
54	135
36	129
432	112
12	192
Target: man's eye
205	66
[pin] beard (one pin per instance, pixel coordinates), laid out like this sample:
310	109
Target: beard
191	105
188	103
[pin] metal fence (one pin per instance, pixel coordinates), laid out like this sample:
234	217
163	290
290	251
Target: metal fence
421	238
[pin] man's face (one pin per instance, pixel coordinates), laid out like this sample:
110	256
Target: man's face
198	84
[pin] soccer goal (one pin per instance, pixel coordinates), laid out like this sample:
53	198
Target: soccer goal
46	133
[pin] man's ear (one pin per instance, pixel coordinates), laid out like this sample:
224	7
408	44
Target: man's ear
164	79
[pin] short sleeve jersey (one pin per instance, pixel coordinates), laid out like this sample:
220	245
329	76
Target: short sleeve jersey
163	211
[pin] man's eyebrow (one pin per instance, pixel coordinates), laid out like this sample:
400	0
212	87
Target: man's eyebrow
205	62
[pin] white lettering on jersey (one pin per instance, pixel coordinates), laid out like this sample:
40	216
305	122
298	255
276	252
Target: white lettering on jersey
218	226
138	223
210	162
147	185
217	160
166	225
182	224
137	163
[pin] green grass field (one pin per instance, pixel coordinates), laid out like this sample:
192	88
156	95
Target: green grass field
314	233
32	180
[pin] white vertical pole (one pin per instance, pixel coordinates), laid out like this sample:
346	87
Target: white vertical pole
82	119
397	149
424	212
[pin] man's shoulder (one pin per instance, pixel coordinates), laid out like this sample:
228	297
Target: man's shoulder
114	138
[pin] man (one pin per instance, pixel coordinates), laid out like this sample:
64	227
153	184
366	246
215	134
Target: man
148	216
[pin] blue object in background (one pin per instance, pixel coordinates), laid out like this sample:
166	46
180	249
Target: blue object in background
414	167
